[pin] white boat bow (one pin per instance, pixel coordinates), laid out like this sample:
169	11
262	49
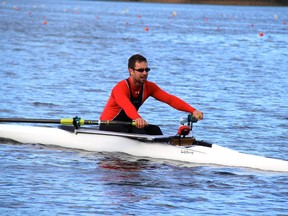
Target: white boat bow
139	145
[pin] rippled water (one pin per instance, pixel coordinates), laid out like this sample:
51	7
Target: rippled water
61	58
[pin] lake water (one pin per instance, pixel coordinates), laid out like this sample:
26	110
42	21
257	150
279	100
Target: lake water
61	59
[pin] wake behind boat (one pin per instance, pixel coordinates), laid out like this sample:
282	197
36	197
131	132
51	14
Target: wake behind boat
178	148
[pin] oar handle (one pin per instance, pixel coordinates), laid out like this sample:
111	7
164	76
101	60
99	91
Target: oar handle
77	122
133	123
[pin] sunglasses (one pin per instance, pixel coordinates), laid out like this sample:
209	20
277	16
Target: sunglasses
141	70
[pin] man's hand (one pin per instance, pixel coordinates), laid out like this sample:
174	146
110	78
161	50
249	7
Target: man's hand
140	123
198	115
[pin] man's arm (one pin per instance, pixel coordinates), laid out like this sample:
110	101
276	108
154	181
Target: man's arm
174	101
169	99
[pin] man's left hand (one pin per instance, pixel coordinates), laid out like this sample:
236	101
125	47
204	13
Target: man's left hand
198	114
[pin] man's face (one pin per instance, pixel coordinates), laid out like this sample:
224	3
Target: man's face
139	73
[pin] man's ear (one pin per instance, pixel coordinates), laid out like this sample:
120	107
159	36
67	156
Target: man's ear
130	70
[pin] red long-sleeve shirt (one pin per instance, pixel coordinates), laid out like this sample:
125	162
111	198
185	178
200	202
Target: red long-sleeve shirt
120	99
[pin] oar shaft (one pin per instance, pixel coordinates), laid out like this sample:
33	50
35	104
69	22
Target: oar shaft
64	121
27	120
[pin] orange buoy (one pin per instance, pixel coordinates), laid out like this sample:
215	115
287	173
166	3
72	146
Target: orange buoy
44	22
261	34
146	28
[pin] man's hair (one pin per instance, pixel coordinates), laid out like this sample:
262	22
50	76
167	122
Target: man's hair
135	58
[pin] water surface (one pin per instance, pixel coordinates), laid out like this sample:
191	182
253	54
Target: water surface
61	59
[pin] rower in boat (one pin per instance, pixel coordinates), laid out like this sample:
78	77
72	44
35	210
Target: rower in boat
128	95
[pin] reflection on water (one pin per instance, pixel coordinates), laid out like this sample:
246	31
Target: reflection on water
123	165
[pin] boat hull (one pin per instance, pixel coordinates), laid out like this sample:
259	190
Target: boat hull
89	141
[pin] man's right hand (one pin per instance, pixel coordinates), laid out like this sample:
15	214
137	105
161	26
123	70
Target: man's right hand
140	123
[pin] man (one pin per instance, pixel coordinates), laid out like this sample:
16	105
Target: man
128	95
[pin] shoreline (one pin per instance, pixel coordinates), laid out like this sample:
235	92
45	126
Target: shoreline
223	2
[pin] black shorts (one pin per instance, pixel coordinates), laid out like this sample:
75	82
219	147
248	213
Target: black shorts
149	129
